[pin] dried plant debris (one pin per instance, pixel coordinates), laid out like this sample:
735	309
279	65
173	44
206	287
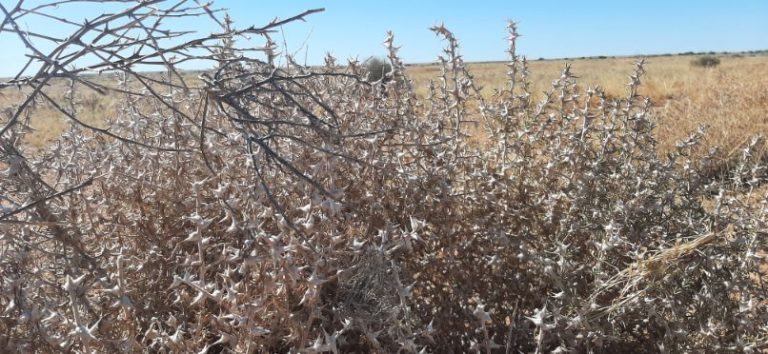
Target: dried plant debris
281	208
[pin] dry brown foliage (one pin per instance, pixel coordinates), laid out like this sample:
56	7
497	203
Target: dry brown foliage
295	209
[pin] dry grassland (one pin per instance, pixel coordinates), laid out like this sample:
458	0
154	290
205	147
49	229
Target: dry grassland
730	99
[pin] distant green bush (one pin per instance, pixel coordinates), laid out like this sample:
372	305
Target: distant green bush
376	69
706	61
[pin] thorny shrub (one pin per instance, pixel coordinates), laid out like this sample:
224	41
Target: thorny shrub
302	209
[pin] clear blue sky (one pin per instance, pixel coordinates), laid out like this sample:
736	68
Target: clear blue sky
550	29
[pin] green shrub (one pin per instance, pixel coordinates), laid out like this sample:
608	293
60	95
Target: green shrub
706	61
376	69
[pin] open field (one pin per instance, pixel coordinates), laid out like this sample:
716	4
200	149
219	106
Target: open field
731	99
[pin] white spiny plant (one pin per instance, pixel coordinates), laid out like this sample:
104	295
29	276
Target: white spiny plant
294	209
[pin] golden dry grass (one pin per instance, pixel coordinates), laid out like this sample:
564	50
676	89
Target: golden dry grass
731	99
48	123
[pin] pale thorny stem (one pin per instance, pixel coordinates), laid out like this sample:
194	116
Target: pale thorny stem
512	80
